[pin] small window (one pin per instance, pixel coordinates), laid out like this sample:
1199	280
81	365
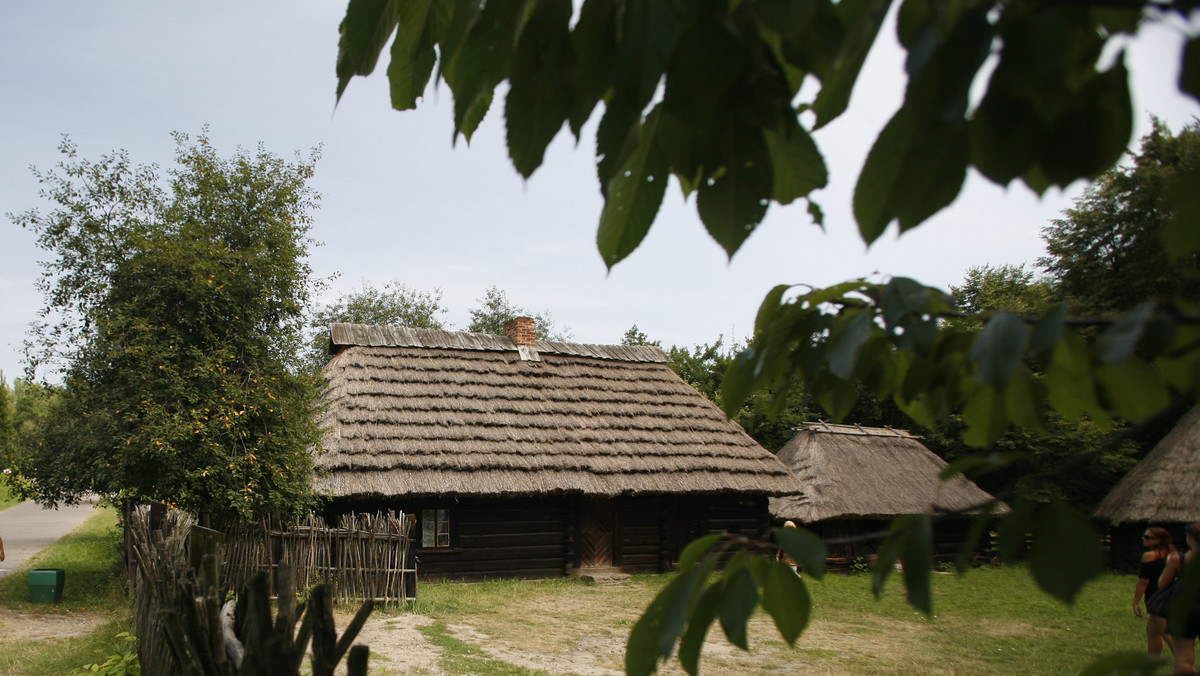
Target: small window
435	528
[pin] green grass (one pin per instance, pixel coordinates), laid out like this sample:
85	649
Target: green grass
7	499
987	621
56	657
90	555
460	657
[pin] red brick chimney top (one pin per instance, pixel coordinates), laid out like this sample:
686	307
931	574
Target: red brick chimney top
521	330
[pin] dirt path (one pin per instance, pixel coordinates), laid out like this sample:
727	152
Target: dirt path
16	625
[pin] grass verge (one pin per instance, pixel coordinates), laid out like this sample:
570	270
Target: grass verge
93	606
7	499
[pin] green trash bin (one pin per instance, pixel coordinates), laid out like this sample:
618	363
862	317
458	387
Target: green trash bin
46	585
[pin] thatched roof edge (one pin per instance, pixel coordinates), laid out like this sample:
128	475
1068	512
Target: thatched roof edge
1165	486
852	472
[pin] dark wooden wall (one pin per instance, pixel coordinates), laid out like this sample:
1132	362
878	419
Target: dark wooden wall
537	537
949	536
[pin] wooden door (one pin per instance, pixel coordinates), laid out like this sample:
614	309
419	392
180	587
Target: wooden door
597	533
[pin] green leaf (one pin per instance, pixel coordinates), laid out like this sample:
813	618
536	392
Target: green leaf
981	524
918	163
1070	381
413	55
697	549
734	201
1181	231
738	601
933	173
542	77
998	349
1118	341
1063	535
595	42
902	297
1093	133
804	37
649	34
1187	595
769	308
1133	663
1134	390
909	539
1046	333
700	620
818	216
854	330
805	548
917	553
708	61
657	626
879	173
984	416
616	138
1024	400
482	61
837	396
364	31
1013	529
1005	131
797	165
632	198
786	599
862	19
975	466
1189	69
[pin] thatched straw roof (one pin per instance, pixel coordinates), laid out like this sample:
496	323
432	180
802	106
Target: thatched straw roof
852	472
1165	486
422	412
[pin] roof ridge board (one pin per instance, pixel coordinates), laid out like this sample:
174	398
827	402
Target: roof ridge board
344	334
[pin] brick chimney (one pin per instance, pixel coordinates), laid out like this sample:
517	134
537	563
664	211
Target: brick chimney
522	330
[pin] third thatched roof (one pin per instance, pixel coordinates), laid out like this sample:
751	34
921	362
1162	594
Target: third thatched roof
1165	486
852	472
425	412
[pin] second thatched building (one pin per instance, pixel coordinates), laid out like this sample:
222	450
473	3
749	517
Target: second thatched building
856	479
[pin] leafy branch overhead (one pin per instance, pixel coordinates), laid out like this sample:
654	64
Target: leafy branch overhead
709	92
714	92
895	338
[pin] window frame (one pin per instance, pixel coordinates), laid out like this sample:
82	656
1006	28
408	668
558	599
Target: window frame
441	515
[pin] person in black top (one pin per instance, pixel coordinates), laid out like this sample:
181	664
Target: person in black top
1157	542
1183	635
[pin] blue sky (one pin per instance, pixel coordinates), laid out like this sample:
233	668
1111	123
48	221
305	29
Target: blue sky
401	202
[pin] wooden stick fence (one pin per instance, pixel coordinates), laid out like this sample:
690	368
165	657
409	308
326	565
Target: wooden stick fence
366	557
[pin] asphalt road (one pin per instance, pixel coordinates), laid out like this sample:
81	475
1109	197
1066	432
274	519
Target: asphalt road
27	529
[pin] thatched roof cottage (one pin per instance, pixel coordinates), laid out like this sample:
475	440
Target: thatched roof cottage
856	479
531	458
1161	490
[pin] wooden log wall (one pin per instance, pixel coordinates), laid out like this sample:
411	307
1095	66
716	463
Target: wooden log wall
521	538
639	534
537	537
